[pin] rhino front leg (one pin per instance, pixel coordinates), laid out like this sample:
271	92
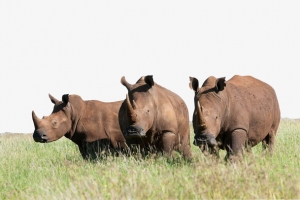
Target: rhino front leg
83	152
236	144
168	143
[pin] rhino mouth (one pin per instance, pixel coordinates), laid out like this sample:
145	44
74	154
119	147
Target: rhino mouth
40	140
133	131
203	139
39	136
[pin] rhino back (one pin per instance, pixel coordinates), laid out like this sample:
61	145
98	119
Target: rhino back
99	120
253	106
172	111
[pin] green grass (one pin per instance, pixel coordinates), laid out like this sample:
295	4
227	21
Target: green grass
30	170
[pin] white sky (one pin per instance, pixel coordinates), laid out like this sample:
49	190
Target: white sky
85	47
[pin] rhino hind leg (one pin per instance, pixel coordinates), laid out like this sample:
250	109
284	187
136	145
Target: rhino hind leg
235	144
185	147
186	150
268	141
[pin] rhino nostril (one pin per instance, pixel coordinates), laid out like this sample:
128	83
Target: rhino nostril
39	136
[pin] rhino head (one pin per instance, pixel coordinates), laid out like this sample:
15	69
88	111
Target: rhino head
209	110
141	105
56	125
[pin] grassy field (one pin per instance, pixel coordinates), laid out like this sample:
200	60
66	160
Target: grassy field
30	170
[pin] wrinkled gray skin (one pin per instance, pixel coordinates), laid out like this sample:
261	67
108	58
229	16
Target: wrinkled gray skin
92	125
157	116
234	114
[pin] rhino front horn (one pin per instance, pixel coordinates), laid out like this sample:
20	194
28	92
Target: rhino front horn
131	112
35	119
200	115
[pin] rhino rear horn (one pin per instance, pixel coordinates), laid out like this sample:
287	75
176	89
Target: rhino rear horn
35	119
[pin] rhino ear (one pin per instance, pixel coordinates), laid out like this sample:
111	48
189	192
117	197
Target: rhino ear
65	98
53	100
220	84
149	80
194	84
125	83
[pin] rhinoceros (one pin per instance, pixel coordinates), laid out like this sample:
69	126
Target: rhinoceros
92	125
158	116
234	115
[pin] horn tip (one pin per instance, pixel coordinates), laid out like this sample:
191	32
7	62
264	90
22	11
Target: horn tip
122	79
